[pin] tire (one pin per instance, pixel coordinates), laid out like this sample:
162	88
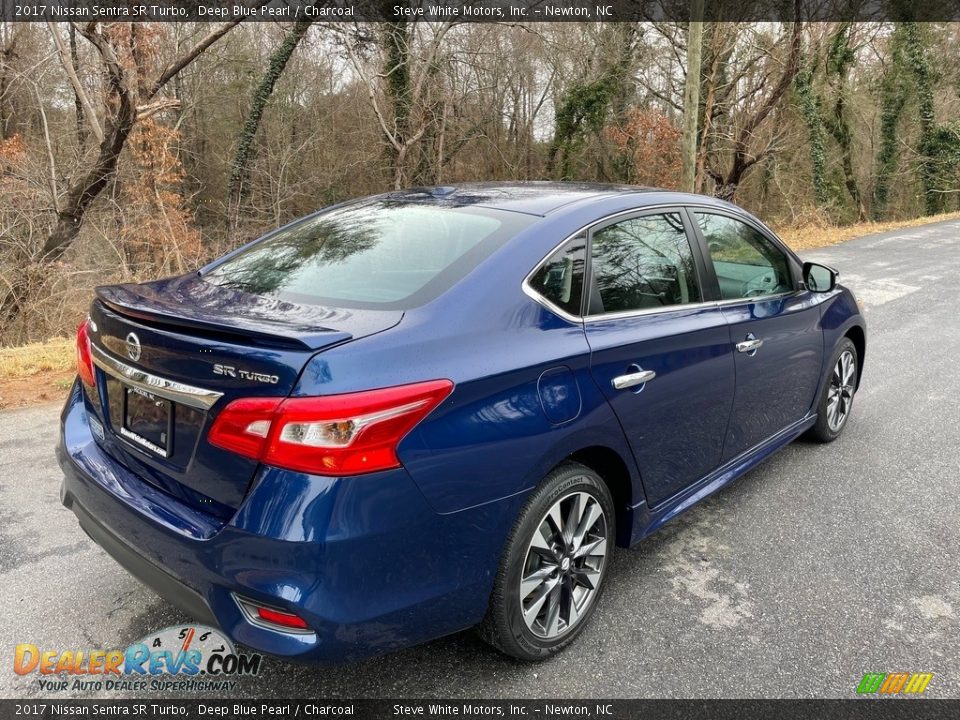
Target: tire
833	410
558	600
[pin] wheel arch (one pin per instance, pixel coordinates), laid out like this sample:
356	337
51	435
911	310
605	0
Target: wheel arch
859	339
615	473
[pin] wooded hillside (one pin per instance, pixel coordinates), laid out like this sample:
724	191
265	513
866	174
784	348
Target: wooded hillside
132	151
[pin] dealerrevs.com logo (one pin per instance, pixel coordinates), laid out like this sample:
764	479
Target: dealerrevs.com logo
178	658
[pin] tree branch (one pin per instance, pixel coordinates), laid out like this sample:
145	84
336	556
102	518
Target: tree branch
189	56
85	104
52	163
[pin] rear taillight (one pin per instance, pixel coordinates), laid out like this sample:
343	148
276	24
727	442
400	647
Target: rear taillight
84	359
345	434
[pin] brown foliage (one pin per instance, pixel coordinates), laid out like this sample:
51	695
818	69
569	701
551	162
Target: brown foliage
652	144
157	232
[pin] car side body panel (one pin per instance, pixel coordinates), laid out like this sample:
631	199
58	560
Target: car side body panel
777	383
675	423
384	560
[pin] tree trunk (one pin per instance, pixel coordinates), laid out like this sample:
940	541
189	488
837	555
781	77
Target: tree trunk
839	60
920	64
397	37
8	41
812	117
77	102
726	189
717	62
85	188
240	167
841	132
893	98
743	158
691	99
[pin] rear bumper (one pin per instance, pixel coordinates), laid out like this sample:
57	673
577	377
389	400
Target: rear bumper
365	561
163	583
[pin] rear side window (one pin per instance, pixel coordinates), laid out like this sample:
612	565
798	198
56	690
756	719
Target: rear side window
642	263
377	254
560	278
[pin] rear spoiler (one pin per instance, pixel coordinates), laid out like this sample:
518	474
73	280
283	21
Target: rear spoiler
227	314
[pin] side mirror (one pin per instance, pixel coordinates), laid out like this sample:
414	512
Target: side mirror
819	278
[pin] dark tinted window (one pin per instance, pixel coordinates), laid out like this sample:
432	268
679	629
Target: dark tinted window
378	254
746	262
643	263
560	279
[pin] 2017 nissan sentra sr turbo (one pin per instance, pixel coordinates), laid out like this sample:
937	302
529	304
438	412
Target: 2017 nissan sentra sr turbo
441	408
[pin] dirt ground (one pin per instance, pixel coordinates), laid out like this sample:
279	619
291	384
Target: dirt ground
43	387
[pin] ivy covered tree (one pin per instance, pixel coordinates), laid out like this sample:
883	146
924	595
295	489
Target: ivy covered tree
825	109
277	63
911	76
587	107
811	110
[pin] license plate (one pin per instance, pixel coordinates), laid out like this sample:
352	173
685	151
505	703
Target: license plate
147	420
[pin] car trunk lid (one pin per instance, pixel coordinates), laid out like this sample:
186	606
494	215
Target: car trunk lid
172	353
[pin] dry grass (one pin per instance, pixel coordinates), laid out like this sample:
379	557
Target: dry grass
815	235
36	373
28	360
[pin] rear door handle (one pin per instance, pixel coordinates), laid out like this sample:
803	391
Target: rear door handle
750	345
622	382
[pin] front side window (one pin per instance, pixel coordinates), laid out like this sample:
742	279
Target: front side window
642	263
747	264
560	278
378	254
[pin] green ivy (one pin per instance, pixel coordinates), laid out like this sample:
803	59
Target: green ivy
585	106
810	107
919	65
893	98
583	110
275	67
941	153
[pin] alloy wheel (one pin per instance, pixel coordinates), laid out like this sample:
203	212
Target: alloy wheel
840	393
564	565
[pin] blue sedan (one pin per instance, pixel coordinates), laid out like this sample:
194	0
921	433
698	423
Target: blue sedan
441	408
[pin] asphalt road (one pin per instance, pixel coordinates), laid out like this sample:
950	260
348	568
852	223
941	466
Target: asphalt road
822	564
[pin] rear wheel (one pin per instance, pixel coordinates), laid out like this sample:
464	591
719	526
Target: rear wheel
836	399
553	566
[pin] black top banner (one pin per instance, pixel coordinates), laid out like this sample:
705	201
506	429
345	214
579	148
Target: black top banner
472	11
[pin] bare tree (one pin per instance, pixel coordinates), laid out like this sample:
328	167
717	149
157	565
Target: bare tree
408	57
762	92
122	113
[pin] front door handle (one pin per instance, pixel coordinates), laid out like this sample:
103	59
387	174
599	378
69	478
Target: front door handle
622	382
750	345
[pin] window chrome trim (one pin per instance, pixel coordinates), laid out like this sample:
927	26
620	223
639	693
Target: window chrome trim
537	297
178	392
687	306
581	319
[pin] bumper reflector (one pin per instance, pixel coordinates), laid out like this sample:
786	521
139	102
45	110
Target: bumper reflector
271	617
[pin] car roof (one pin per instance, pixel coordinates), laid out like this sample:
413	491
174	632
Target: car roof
539	197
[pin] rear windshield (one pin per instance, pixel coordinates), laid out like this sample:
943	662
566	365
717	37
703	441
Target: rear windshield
378	254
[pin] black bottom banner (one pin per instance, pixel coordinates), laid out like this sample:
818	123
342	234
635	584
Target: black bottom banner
473	709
